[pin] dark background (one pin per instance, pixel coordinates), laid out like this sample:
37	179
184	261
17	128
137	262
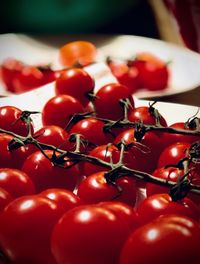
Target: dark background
133	17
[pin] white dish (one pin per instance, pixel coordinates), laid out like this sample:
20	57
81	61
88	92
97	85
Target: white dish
184	66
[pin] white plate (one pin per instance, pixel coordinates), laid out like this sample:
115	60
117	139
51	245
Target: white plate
184	66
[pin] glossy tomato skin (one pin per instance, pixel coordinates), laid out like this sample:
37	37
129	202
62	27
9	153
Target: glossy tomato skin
153	73
107	101
5	198
12	158
26	225
92	131
173	154
103	152
62	197
16	182
77	52
53	135
144	114
169	138
124	211
95	188
168	174
75	82
144	153
159	204
46	175
10	120
96	232
169	239
126	75
59	109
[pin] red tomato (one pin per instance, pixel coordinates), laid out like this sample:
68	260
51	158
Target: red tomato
168	174
169	239
169	138
125	75
31	77
59	109
77	52
144	114
91	130
5	199
96	232
159	204
107	101
46	175
124	211
53	135
75	82
152	72
12	158
26	225
16	182
11	120
63	198
173	154
9	70
143	155
103	152
95	188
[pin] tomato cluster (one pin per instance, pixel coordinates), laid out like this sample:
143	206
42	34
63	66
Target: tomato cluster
145	71
70	192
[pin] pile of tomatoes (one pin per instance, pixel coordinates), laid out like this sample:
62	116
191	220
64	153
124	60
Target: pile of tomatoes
64	196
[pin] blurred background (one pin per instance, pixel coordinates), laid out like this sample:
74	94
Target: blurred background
134	17
176	21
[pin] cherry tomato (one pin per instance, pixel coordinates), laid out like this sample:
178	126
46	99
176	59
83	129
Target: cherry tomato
169	138
77	52
5	198
53	135
31	77
125	211
143	155
107	101
75	82
169	239
9	69
153	72
11	120
91	130
103	152
59	109
26	225
12	158
46	175
173	154
125	75
63	198
95	188
16	182
96	232
146	115
159	204
168	174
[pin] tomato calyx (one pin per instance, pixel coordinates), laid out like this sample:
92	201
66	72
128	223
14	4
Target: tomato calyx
155	113
77	117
